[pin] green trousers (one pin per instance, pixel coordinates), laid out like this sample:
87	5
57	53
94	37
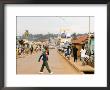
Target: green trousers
45	63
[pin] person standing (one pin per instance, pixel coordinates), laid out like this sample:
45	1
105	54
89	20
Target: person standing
31	49
19	50
47	49
65	51
75	53
68	52
40	47
83	54
45	63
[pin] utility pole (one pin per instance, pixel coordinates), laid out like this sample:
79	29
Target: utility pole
89	26
89	37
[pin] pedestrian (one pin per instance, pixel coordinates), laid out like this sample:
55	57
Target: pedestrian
75	49
68	52
40	47
19	50
45	62
83	54
43	48
31	49
47	50
65	51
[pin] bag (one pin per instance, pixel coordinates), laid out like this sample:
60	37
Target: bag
47	57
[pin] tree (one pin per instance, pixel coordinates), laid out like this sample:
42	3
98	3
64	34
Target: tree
26	34
74	35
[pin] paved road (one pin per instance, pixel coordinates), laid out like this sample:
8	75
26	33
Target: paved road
58	65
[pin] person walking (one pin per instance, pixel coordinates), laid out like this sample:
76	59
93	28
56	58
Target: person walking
45	62
75	53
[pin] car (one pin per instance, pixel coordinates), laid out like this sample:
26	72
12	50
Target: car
51	47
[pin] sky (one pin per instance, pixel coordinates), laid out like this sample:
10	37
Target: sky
54	24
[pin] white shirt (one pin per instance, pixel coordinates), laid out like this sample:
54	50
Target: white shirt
83	52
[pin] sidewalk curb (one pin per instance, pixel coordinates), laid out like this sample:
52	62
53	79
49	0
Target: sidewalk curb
69	62
72	64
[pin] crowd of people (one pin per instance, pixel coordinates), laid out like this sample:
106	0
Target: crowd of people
27	49
71	51
30	49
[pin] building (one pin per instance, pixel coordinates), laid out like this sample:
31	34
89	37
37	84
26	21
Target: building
64	38
80	41
83	40
89	45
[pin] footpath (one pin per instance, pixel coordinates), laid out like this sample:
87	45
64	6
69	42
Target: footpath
78	65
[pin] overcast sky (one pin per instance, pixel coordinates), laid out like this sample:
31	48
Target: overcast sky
44	25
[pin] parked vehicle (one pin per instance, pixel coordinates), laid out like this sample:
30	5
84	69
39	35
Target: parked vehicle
51	47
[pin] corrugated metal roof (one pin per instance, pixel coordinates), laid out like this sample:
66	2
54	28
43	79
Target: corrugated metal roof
80	39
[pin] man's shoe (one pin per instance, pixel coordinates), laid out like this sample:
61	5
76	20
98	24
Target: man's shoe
40	72
51	73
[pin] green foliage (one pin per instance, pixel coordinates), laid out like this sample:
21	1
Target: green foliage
26	34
